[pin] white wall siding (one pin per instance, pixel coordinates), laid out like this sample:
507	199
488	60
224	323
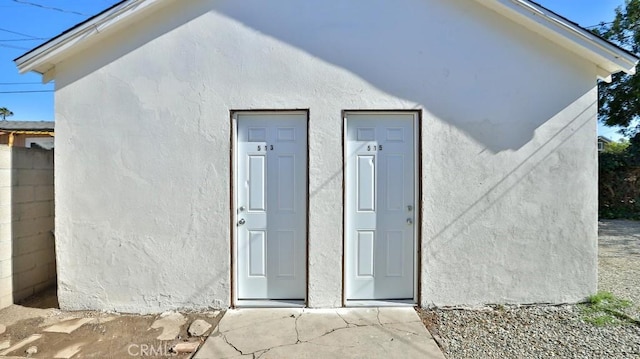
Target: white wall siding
143	148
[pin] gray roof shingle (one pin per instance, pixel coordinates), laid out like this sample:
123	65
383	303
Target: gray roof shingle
27	125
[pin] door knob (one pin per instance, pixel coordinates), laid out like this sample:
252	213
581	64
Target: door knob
241	222
409	221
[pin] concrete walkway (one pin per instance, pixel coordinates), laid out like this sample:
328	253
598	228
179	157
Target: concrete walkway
320	333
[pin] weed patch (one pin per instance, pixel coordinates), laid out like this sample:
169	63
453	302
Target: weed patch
604	309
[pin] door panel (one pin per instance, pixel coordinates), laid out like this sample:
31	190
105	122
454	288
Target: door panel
271	182
380	180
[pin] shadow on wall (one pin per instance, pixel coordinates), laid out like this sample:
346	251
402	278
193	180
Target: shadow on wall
441	55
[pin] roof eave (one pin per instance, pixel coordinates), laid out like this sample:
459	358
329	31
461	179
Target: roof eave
608	57
43	58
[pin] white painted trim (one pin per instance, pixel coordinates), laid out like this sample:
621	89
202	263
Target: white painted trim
417	210
234	209
380	303
557	29
243	303
606	55
45	57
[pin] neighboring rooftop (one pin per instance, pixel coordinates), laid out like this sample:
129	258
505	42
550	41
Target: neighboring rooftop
7	125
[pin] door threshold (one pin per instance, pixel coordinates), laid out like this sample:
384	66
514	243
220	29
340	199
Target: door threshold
381	303
273	303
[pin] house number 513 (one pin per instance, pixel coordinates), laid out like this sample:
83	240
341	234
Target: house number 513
265	148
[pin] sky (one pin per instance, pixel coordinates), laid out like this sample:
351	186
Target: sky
28	23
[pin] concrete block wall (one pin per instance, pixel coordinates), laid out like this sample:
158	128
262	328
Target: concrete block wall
27	250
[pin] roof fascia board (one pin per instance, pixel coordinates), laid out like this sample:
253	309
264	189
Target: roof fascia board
559	30
548	24
605	75
40	59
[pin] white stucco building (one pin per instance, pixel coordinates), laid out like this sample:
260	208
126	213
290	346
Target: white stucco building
325	153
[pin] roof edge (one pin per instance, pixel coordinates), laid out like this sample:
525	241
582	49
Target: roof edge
39	58
605	54
608	57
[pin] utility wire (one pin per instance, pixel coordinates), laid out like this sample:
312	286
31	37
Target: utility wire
13	47
51	8
600	24
16	40
34	91
19	33
19	83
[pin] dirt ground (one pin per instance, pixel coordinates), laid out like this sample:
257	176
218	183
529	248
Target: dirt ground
107	335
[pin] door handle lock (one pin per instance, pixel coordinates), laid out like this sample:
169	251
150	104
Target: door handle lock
409	221
410	208
241	209
241	222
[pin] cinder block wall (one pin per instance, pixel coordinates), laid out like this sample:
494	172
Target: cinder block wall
27	251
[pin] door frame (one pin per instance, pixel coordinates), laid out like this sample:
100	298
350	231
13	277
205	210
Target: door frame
417	241
233	142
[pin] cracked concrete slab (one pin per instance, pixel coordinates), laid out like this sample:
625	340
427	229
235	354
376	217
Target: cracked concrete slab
308	333
68	326
32	338
305	350
263	335
359	316
312	324
240	318
216	347
69	351
397	315
171	323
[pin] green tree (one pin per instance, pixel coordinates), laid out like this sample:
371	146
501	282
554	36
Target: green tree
616	147
5	112
619	100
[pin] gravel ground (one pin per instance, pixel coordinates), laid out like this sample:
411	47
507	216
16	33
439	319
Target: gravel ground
552	331
619	261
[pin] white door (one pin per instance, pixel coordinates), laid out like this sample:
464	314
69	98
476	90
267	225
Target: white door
271	206
381	206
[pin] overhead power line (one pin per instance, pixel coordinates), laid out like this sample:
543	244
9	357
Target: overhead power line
19	33
34	91
14	47
17	40
20	83
600	24
50	8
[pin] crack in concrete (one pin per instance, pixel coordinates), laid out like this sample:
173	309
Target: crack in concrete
351	325
310	341
296	328
252	324
344	320
399	330
233	346
378	316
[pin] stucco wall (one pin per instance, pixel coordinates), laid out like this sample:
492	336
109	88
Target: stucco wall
27	254
143	143
6	281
